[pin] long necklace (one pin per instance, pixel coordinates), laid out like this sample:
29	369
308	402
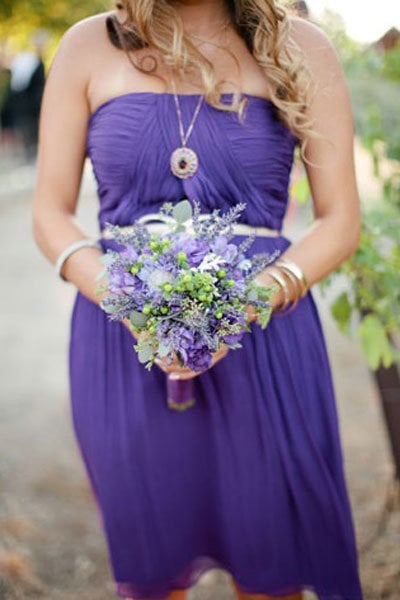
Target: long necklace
184	161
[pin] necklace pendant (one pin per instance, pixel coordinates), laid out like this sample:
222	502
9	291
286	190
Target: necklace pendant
184	162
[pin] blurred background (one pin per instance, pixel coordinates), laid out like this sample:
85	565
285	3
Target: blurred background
51	544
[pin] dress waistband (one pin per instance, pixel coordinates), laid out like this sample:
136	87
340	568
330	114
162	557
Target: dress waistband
163	226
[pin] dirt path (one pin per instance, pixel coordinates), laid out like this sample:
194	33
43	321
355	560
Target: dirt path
51	545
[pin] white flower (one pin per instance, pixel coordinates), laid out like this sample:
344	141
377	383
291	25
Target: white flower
210	262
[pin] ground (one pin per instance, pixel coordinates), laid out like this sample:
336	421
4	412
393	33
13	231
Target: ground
51	544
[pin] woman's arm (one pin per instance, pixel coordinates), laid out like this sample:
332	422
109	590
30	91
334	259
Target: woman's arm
62	141
334	235
61	155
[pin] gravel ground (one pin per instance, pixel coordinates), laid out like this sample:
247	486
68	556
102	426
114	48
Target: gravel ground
51	545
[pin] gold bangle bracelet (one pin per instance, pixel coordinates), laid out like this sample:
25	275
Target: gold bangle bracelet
285	309
297	287
280	279
297	272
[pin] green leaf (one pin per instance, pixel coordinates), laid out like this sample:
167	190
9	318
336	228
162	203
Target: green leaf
106	258
235	345
109	309
100	288
341	310
163	350
145	353
138	319
301	190
265	292
182	211
374	342
252	295
100	275
265	317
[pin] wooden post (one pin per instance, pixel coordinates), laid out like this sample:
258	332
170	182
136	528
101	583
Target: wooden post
388	382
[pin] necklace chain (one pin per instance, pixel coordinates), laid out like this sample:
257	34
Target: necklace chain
185	136
223	29
184	161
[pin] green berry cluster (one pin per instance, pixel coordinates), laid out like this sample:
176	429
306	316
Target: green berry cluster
159	245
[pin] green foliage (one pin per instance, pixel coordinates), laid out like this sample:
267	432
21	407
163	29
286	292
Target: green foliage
375	103
138	319
20	18
371	301
391	64
300	190
373	78
341	310
374	342
333	25
373	276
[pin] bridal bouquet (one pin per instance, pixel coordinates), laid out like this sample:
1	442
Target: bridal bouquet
184	290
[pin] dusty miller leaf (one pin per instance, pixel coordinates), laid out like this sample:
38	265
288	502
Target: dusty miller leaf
182	211
163	350
138	319
145	354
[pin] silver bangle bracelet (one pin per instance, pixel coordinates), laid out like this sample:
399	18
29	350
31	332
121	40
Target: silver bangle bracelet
77	245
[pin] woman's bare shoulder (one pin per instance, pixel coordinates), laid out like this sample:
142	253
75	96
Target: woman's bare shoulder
85	40
316	50
307	33
83	54
313	42
88	27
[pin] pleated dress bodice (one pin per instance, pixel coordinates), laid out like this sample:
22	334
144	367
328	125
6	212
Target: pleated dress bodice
131	137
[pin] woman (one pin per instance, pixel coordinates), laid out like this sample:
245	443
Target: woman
250	479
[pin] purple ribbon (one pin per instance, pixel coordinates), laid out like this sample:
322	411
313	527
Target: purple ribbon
180	393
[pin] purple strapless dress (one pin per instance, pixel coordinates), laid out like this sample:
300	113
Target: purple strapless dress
251	478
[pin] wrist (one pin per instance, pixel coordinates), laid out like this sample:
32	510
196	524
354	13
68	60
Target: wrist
62	265
292	282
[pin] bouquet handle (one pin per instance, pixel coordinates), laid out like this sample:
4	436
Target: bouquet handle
180	393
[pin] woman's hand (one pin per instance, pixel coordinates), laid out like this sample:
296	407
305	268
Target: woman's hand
276	299
127	324
175	370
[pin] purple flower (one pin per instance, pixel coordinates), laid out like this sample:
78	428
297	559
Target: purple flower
221	247
194	248
129	255
121	282
145	273
232	338
199	357
193	350
185	339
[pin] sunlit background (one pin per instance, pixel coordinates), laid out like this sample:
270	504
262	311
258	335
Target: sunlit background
365	21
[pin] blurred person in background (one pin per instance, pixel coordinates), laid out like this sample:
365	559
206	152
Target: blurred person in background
21	105
6	129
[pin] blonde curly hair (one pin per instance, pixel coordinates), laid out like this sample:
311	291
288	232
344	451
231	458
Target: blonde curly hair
263	25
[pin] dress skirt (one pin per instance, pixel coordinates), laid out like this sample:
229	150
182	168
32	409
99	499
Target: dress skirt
249	480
